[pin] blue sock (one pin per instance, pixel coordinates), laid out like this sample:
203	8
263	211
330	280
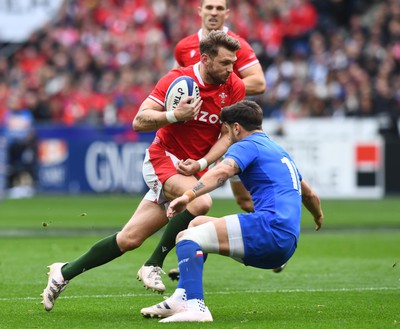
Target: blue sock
191	263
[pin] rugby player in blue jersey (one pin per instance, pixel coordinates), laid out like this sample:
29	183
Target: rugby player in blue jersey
266	238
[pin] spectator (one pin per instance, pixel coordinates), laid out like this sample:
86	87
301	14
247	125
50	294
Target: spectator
340	47
21	148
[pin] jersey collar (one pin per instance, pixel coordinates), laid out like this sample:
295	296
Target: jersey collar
196	69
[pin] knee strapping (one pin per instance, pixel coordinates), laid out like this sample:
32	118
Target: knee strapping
205	236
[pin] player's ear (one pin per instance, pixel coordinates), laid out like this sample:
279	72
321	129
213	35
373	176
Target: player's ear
204	58
228	11
237	128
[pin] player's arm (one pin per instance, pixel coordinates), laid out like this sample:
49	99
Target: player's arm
152	116
254	80
216	177
313	204
219	148
190	166
211	180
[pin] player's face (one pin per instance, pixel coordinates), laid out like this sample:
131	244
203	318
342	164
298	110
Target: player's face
213	14
220	67
231	132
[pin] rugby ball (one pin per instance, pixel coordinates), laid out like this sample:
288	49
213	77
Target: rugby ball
180	88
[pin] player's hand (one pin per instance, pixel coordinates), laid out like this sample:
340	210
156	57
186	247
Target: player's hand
188	108
188	167
318	221
177	206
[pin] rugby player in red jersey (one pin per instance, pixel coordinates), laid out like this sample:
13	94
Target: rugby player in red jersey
185	144
214	14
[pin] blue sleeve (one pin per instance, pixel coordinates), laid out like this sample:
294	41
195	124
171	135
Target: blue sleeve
243	153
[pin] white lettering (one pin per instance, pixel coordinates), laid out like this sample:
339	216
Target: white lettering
110	169
213	118
293	173
185	260
204	116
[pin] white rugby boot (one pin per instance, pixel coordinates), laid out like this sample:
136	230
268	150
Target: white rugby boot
151	278
55	285
196	311
166	308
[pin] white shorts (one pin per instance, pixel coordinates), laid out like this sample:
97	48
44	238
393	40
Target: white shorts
158	166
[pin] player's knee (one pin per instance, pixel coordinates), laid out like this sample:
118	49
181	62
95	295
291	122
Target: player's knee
198	221
129	241
204	235
201	205
180	235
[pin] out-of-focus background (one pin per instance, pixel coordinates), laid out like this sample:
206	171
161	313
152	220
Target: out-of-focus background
74	73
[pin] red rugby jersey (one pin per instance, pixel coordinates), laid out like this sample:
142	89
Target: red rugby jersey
194	138
187	51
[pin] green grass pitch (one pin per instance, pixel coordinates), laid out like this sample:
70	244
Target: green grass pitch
345	276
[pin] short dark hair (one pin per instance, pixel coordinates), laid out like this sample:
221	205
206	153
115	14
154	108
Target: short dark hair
216	39
246	113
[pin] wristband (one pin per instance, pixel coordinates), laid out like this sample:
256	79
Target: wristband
171	118
203	164
190	194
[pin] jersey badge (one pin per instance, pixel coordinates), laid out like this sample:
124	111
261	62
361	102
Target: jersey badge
223	96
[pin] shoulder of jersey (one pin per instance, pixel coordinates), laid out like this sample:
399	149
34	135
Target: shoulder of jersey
237	37
188	41
181	87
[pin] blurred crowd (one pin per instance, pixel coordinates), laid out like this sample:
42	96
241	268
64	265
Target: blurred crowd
98	60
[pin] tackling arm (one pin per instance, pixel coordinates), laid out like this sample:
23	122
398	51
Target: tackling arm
211	180
190	166
219	148
216	177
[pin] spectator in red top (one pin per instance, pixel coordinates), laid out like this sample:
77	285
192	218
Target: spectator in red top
297	22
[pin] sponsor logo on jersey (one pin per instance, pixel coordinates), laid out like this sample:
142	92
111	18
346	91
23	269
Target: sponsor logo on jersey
206	117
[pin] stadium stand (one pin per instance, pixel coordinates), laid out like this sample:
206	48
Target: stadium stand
97	60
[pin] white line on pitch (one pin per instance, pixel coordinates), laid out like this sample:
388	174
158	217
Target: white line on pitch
222	293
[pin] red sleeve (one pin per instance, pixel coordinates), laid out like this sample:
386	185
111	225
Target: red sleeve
246	56
177	53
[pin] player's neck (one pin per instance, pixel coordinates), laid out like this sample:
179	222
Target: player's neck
205	32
